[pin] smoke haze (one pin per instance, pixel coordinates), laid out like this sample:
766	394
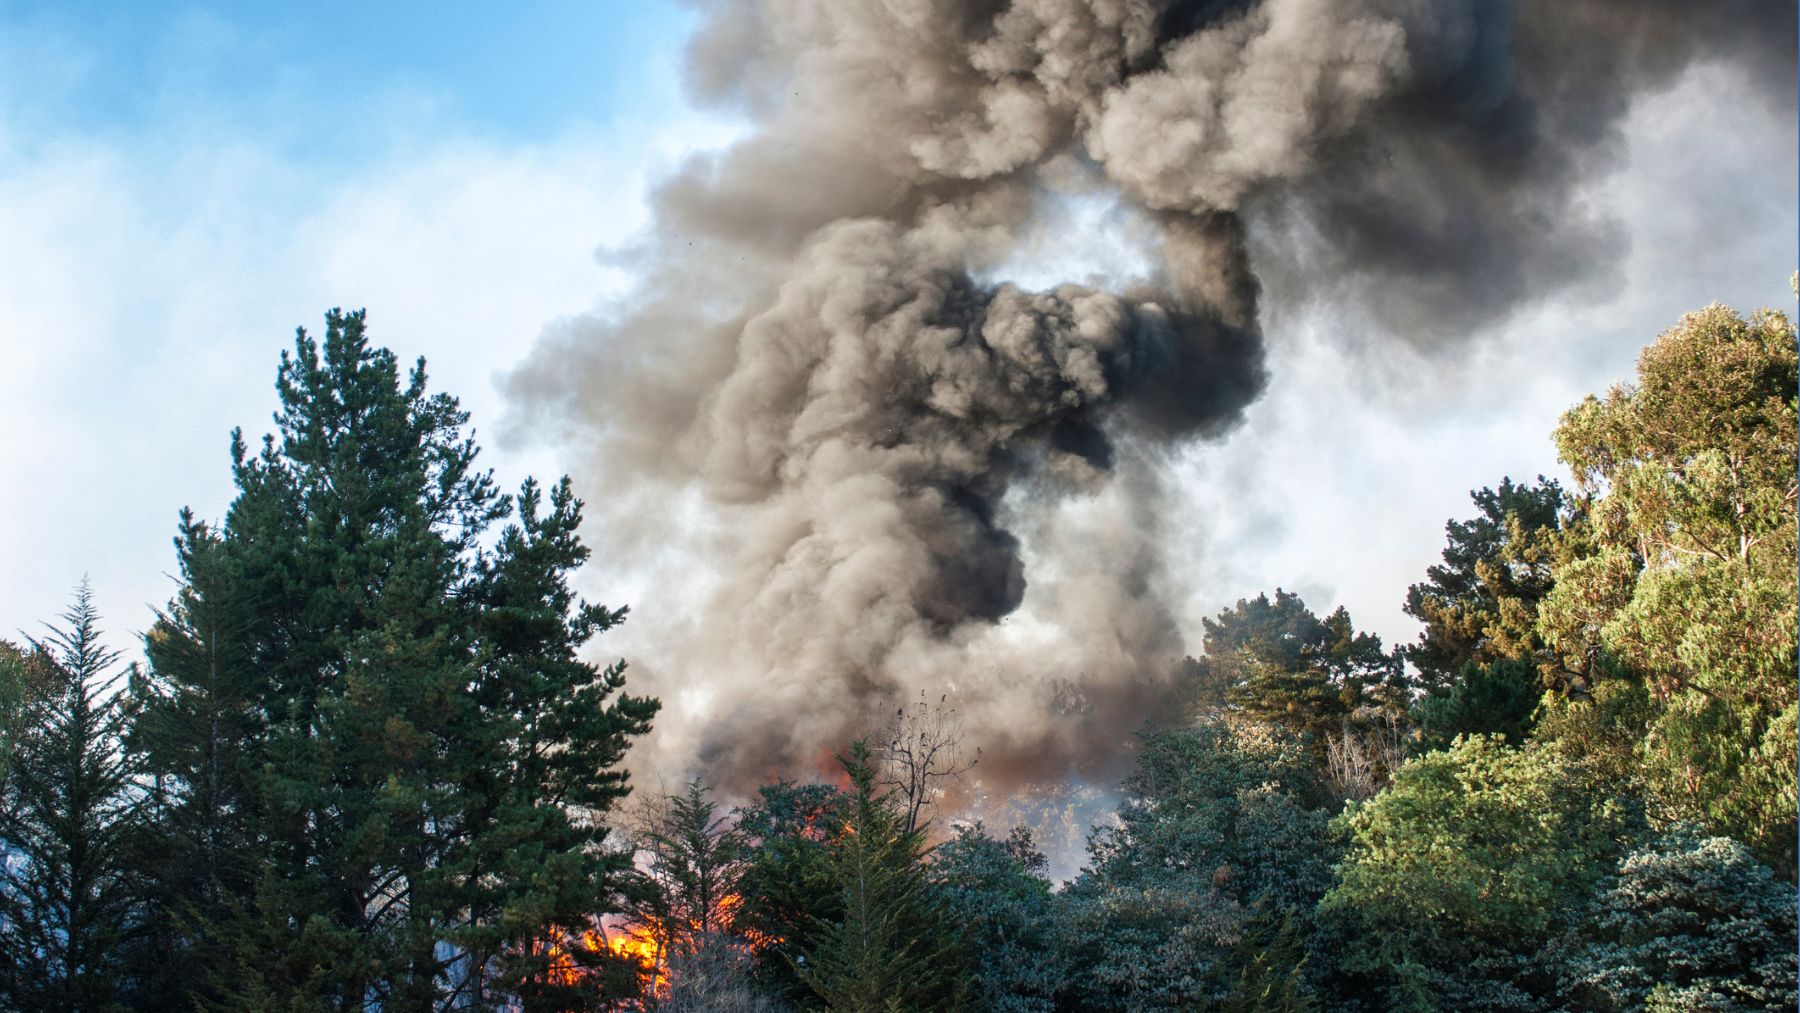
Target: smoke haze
902	472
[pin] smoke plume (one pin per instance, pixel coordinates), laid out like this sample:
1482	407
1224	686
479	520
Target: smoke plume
904	473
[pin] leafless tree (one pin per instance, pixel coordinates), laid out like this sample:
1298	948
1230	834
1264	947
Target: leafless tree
920	751
1360	758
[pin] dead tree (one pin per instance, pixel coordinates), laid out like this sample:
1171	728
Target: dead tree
922	749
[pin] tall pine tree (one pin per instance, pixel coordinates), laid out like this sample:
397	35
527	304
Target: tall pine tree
66	891
196	729
370	704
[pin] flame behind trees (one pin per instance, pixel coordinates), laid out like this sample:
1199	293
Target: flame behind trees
693	858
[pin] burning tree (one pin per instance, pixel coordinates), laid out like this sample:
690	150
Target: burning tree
693	859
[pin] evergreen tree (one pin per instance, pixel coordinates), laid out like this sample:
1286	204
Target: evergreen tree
1222	839
195	730
66	892
1479	655
999	899
788	888
1274	661
893	947
19	670
1480	604
539	767
1688	923
695	858
378	723
1496	698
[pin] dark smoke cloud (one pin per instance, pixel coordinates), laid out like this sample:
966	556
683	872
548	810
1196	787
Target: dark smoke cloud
916	476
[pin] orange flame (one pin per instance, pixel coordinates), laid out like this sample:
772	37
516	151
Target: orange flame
635	945
644	946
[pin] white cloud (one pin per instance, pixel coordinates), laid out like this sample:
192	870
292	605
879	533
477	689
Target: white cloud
149	282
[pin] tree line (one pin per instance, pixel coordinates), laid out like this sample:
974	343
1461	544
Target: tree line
364	766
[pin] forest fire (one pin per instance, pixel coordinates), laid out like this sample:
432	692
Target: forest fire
647	946
639	946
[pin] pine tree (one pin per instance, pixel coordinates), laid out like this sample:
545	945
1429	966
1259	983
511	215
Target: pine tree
371	706
1480	604
695	860
66	891
196	730
894	947
1274	661
539	768
789	891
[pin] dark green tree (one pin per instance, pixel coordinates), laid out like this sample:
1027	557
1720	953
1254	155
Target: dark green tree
1480	604
195	729
67	896
371	702
20	668
1274	661
788	889
894	945
1001	902
540	770
1688	923
1495	698
1221	842
1479	656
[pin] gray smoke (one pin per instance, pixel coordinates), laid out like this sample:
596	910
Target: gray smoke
904	473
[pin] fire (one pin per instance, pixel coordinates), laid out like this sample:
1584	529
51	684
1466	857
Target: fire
647	946
636	945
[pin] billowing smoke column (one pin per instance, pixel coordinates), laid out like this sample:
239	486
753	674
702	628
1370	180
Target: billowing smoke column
880	432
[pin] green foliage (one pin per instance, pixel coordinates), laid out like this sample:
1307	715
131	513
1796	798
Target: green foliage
693	857
1000	902
788	888
1688	923
1272	962
366	713
1496	698
1278	663
1480	604
1462	868
1688	479
67	810
1223	835
1479	653
196	728
18	669
894	945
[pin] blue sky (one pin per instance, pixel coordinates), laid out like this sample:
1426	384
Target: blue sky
336	70
182	185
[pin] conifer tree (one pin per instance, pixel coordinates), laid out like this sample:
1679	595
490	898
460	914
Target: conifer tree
695	860
893	947
66	891
196	730
373	708
1275	661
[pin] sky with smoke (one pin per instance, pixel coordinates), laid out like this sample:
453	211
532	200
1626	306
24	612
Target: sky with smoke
964	349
